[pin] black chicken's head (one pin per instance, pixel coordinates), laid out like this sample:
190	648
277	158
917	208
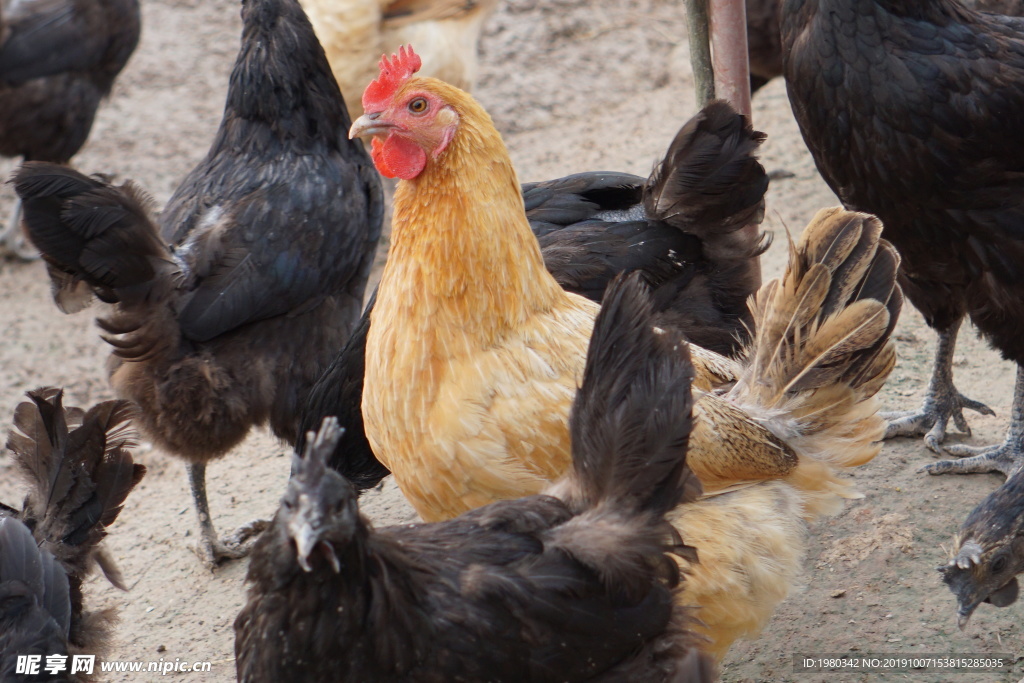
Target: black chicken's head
319	508
989	552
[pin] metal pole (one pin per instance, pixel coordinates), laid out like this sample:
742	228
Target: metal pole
729	42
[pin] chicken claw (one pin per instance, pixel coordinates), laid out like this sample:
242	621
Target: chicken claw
933	417
942	402
234	546
1007	457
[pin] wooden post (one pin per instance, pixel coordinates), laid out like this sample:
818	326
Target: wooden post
700	51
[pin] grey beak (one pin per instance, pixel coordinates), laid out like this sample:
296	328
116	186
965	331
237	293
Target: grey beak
369	124
305	542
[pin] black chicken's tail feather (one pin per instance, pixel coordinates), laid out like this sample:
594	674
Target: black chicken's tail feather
96	238
26	569
711	185
339	392
79	472
630	423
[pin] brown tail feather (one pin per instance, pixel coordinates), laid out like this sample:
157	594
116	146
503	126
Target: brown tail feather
822	350
710	185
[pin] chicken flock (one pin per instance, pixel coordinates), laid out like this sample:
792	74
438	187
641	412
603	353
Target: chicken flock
618	439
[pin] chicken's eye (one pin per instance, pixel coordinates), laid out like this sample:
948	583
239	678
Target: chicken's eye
418	105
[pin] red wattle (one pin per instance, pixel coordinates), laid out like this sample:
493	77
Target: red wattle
398	157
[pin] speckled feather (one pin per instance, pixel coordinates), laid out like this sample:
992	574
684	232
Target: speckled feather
768	451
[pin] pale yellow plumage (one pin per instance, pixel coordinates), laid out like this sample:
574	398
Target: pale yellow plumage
355	33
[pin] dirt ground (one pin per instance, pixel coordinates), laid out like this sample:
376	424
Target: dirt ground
574	85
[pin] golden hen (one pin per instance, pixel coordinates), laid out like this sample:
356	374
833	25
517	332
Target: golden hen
354	32
474	354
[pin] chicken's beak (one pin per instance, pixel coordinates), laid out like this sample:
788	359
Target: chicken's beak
306	538
963	615
306	528
369	124
305	544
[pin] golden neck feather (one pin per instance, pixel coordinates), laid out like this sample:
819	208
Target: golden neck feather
461	247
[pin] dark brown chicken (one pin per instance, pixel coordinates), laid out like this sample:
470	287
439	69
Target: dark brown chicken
225	315
79	472
574	585
912	110
764	40
58	60
989	551
682	228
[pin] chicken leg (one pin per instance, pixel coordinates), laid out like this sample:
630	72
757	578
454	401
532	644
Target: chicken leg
212	550
13	238
942	401
1007	457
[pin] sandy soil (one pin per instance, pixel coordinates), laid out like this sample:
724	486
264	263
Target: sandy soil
574	85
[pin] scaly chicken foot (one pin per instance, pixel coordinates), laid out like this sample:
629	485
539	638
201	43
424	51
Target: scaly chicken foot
942	402
1007	457
13	240
211	549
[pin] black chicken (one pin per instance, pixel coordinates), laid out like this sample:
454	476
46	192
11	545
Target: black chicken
682	228
79	473
913	111
58	59
35	605
576	585
989	551
226	316
764	41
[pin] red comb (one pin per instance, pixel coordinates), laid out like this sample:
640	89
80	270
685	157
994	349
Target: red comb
392	73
